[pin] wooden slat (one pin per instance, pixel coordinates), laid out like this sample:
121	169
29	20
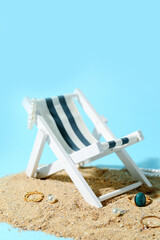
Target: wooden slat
119	191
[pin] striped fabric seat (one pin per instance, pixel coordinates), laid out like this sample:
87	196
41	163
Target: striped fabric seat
65	121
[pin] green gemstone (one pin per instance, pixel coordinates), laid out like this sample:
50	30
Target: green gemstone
140	199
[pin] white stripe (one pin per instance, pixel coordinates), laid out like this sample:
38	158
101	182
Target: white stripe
118	142
42	110
78	119
66	123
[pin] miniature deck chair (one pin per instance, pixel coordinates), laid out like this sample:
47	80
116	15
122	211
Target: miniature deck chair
60	124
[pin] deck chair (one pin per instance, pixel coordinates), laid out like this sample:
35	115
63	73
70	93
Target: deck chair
60	124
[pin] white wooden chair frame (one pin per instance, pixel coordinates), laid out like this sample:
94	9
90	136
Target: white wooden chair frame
70	162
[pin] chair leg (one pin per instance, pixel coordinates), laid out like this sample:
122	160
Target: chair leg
66	163
71	169
132	167
36	153
81	184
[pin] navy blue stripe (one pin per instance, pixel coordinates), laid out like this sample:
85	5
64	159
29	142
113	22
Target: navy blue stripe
125	140
112	144
72	121
59	124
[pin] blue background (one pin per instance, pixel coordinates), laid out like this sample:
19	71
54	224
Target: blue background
108	49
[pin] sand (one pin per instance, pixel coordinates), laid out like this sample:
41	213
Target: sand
70	216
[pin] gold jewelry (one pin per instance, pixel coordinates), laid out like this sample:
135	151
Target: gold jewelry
145	226
28	194
132	200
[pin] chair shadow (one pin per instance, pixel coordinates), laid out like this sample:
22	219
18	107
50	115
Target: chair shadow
103	181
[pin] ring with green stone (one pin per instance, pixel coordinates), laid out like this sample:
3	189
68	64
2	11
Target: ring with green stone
140	199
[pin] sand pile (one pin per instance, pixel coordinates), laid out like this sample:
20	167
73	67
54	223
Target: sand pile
70	216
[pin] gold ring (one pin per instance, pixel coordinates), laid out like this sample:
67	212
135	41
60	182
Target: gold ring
145	226
28	194
132	197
